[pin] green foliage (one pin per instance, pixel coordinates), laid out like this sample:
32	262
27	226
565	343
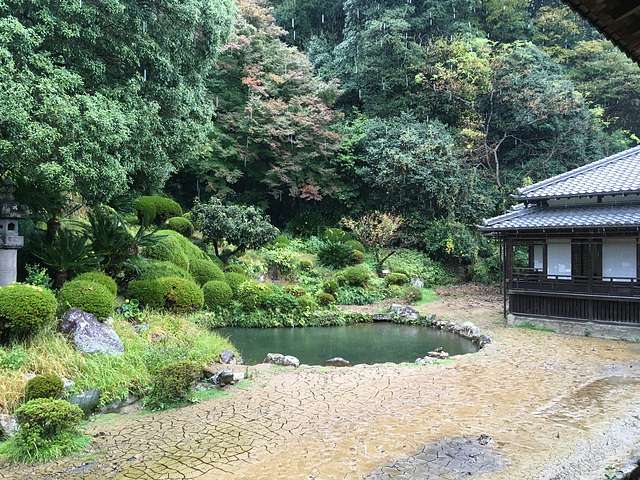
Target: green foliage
204	271
351	295
396	279
282	302
151	269
37	276
325	299
306	265
306	224
252	294
307	303
235	268
356	276
12	359
417	264
172	384
487	270
451	242
235	280
281	241
156	210
101	278
294	290
355	245
46	385
337	235
130	310
24	309
180	295
90	297
331	287
283	258
181	225
149	292
412	294
244	227
217	294
356	257
170	249
334	254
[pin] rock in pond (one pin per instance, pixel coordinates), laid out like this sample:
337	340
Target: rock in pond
337	362
89	335
279	359
227	357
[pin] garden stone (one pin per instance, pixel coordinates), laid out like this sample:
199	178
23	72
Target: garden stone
438	354
468	329
89	335
87	401
8	423
381	317
279	359
408	313
417	282
129	409
67	384
227	357
112	407
225	377
337	362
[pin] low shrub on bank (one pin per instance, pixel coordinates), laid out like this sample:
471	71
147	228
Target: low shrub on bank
24	309
89	296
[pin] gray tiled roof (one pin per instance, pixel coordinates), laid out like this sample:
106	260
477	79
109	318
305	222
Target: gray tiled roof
616	174
524	218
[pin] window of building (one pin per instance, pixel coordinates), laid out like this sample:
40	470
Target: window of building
559	259
619	260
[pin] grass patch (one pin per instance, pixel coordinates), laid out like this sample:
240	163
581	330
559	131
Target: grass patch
202	395
532	326
63	444
428	296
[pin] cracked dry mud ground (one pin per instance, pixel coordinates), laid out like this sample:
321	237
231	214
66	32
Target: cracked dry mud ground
554	406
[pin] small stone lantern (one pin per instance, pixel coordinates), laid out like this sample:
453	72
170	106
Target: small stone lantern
10	241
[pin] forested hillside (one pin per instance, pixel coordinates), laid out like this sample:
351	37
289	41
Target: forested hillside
435	110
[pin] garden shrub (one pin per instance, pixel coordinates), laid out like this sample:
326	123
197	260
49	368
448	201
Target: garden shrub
181	225
42	419
330	286
324	299
101	278
216	294
307	303
396	279
336	235
295	290
357	276
176	294
172	384
355	245
487	270
281	242
412	294
394	291
360	296
148	292
416	264
235	280
156	209
204	271
169	250
234	268
306	224
356	257
24	309
283	302
47	385
334	254
90	297
305	265
151	269
4	436
284	259
252	294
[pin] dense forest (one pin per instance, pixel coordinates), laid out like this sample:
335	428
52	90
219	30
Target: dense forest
435	110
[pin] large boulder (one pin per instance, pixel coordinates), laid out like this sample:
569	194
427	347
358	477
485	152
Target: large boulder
87	401
227	357
89	335
279	359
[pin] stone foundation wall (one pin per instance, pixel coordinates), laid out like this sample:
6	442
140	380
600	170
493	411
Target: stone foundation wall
629	333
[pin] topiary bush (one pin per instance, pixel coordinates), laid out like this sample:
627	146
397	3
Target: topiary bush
357	276
355	245
235	280
295	290
181	225
90	297
169	249
324	299
148	292
234	268
217	294
252	294
394	291
281	242
24	309
176	294
282	302
307	303
204	271
101	278
172	384
356	257
336	235
47	385
334	254
330	286
396	279
150	269
305	265
43	420
156	209
412	294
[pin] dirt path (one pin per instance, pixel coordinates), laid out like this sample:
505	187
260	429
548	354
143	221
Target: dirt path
531	405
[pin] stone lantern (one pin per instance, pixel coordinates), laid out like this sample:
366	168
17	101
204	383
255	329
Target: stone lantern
10	241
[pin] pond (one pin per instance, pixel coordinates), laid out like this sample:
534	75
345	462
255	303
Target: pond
368	343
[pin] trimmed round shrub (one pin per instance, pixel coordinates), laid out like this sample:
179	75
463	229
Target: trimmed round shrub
355	245
306	265
148	292
295	290
90	297
181	295
204	271
151	269
156	209
169	249
281	242
412	294
235	280
325	299
216	294
336	235
394	291
47	385
172	384
181	225
41	419
217	261
331	287
396	279
234	268
101	278
306	302
356	257
357	276
25	308
252	294
281	301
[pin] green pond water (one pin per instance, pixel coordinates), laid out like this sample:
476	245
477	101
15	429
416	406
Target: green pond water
368	343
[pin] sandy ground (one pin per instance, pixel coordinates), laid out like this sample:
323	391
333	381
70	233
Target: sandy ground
550	406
